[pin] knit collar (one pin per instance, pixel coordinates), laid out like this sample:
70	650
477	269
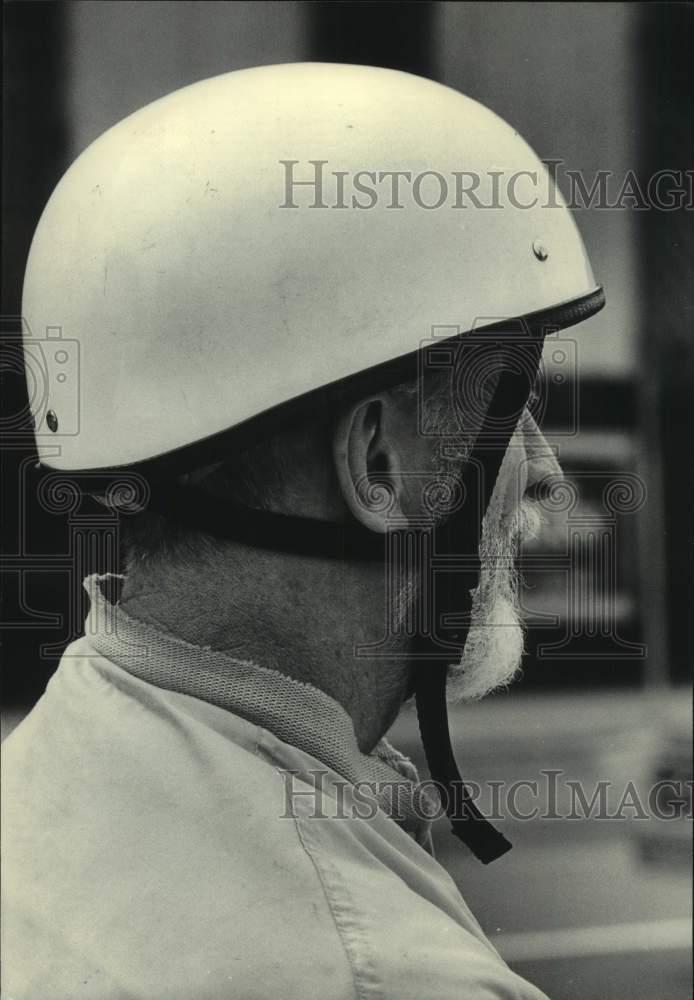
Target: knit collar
296	712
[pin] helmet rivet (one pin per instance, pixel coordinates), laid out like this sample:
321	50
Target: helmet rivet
52	421
540	250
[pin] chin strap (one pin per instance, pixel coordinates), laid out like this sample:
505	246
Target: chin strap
458	538
467	822
265	529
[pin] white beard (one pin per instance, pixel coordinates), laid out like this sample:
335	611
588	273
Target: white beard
494	647
492	655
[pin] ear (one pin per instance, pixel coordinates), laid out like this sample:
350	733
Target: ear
368	464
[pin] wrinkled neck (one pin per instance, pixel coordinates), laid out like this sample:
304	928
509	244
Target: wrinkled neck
303	617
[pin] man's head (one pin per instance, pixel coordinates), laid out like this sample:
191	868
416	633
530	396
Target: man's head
368	461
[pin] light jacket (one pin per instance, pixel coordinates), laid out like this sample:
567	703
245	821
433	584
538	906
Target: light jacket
179	824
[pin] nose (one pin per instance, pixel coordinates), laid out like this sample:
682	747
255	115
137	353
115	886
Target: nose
542	466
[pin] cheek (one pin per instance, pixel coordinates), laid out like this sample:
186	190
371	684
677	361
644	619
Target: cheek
422	470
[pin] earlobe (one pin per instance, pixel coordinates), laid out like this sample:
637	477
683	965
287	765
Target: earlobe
367	464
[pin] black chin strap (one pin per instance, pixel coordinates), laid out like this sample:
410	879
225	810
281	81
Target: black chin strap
459	535
265	529
467	822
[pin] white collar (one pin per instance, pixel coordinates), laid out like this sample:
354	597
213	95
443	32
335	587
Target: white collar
297	713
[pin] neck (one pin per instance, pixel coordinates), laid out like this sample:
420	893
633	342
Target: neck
304	617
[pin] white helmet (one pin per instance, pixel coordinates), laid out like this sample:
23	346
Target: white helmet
237	244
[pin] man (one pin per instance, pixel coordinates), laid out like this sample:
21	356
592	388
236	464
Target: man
203	803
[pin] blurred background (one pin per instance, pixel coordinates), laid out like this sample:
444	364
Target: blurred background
585	908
